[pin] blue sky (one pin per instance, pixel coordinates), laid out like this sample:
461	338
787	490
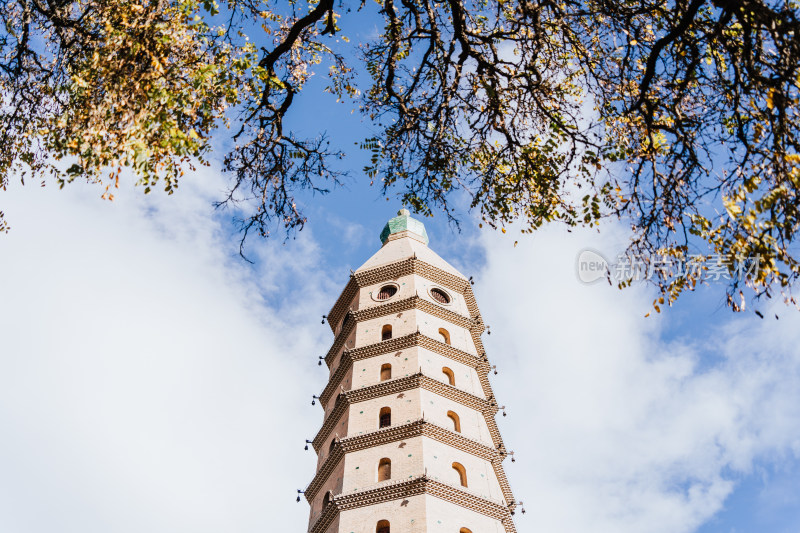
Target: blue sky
144	368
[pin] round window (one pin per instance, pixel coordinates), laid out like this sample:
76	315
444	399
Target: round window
386	292
440	296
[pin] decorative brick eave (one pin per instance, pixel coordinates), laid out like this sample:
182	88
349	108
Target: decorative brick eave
343	303
409	488
390	434
416	302
480	364
394	271
345	364
325	471
414	381
325	519
448	351
476	333
338	342
398	306
406	431
471	501
378	348
402	343
493	429
497	463
475	327
350	356
333	418
384	493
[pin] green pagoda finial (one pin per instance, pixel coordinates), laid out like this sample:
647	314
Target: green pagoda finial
404	222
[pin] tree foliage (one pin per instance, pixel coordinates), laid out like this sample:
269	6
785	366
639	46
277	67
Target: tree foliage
678	117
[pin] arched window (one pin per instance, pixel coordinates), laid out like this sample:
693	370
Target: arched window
445	335
326	499
386	292
464	530
385	417
382	527
346	320
456	421
462	473
386	332
384	469
332	444
451	377
386	372
440	296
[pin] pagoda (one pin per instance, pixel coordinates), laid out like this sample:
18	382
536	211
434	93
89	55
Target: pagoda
409	442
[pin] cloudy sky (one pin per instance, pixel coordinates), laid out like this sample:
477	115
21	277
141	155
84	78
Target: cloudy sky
151	380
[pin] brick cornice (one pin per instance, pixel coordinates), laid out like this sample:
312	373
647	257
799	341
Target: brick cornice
406	489
338	342
391	344
342	303
345	363
494	431
401	343
324	472
378	348
406	431
500	472
395	386
336	413
415	302
448	351
325	519
394	271
475	327
415	381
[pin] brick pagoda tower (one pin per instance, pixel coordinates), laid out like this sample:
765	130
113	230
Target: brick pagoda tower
409	442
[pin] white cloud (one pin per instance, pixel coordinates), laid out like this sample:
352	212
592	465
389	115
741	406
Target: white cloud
149	379
618	425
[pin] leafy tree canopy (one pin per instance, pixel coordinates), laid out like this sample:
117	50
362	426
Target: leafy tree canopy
680	117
